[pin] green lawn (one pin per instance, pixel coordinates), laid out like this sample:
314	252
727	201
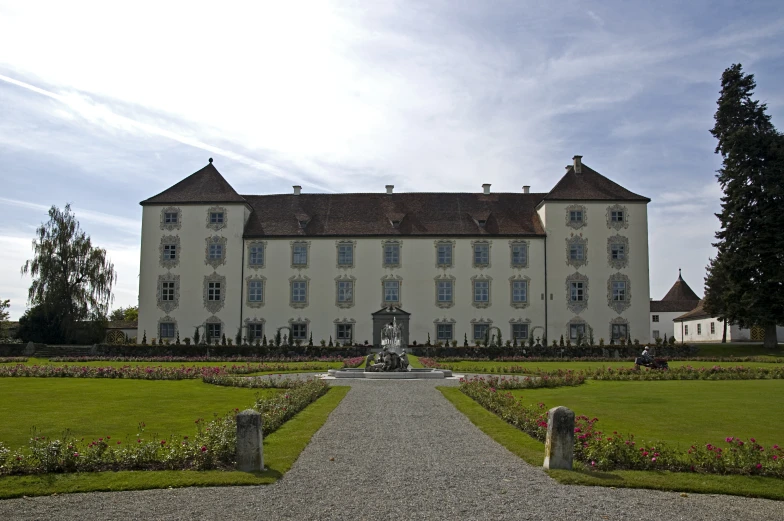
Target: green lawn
737	349
292	366
683	412
93	408
497	367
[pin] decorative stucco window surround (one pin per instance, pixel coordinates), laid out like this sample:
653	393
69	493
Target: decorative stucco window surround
445	253
257	254
519	289
172	221
612	212
170	251
391	256
577	327
345	252
300	254
516	322
445	291
216	338
299	291
618	321
480	253
576	295
214	219
167	320
486	322
478	291
348	324
518	253
576	216
618	251
255	299
253	321
214	292
168	299
577	251
300	322
444	322
387	291
215	251
619	292
344	291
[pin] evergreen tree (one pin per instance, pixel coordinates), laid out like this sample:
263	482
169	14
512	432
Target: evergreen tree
745	282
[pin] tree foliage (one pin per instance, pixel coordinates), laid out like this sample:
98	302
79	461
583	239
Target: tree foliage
745	282
4	305
72	279
129	314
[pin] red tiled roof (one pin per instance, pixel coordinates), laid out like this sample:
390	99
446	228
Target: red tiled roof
205	186
694	314
590	185
681	291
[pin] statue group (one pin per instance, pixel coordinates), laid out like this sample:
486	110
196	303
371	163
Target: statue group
392	356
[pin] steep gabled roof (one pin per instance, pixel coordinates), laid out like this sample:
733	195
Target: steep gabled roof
672	306
590	185
695	314
680	291
369	214
205	186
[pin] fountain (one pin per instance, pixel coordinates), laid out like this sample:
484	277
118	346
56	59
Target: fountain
391	362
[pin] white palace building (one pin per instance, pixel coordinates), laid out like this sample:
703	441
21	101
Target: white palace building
571	262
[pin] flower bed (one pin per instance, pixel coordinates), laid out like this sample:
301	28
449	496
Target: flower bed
685	373
213	445
159	359
556	352
533	359
354	362
12	359
143	372
615	452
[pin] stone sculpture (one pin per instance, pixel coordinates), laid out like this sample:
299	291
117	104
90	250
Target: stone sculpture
392	357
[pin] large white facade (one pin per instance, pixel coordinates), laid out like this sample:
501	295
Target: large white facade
583	270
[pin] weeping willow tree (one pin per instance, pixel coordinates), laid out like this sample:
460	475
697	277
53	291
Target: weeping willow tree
72	279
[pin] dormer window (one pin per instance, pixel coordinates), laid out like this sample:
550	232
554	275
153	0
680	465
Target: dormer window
481	222
303	224
395	223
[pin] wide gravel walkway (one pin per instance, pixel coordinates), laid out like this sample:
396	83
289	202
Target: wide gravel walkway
398	450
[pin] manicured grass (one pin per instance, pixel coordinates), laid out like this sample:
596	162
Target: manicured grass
532	452
737	349
414	362
93	407
683	412
281	450
497	367
292	366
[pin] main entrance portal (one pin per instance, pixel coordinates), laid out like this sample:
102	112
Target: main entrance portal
383	317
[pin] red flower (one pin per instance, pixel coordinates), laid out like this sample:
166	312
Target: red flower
163	442
204	448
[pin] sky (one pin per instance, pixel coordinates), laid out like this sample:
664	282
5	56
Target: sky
104	104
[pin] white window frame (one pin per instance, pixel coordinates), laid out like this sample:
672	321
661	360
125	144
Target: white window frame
345	289
481	254
212	337
481	289
519	286
521	249
655	318
345	254
577	291
251	331
299	254
444	254
217	217
214	291
573	214
526	327
256	255
341	330
391	289
480	326
445	288
167	324
445	332
215	251
299	291
299	331
171	218
256	291
713	328
391	254
576	329
619	291
167	291
617	216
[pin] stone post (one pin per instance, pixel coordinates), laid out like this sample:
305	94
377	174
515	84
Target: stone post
250	450
559	447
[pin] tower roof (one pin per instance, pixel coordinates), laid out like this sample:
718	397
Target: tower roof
590	185
680	291
204	186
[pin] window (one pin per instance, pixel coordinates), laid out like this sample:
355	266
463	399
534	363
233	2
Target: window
480	331
576	216
170	218
391	254
686	330
481	254
299	254
345	332
713	328
391	291
444	291
166	330
576	251
519	291
216	217
214	291
616	216
617	251
520	331
299	291
346	254
482	291
576	331
444	254
576	291
655	318
213	332
699	329
255	291
170	252
655	333
256	255
619	290
167	291
444	332
619	331
215	251
519	255
345	291
299	331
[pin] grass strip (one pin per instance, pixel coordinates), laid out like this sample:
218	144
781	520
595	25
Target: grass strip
414	362
281	450
532	452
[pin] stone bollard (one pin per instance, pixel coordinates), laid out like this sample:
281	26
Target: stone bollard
559	447
250	450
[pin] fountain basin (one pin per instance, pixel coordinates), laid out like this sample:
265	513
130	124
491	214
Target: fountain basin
412	374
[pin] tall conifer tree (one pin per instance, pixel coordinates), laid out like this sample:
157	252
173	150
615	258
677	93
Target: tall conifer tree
745	282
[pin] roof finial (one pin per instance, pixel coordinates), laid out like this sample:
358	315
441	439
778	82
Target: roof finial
210	160
679	274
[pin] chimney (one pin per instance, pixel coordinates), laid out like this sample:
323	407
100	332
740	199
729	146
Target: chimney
297	189
390	188
578	164
486	188
526	189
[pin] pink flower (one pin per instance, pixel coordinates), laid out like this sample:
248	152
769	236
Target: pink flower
759	465
752	440
775	457
76	454
653	458
204	448
645	453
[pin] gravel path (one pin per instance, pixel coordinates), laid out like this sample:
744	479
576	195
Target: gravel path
401	451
